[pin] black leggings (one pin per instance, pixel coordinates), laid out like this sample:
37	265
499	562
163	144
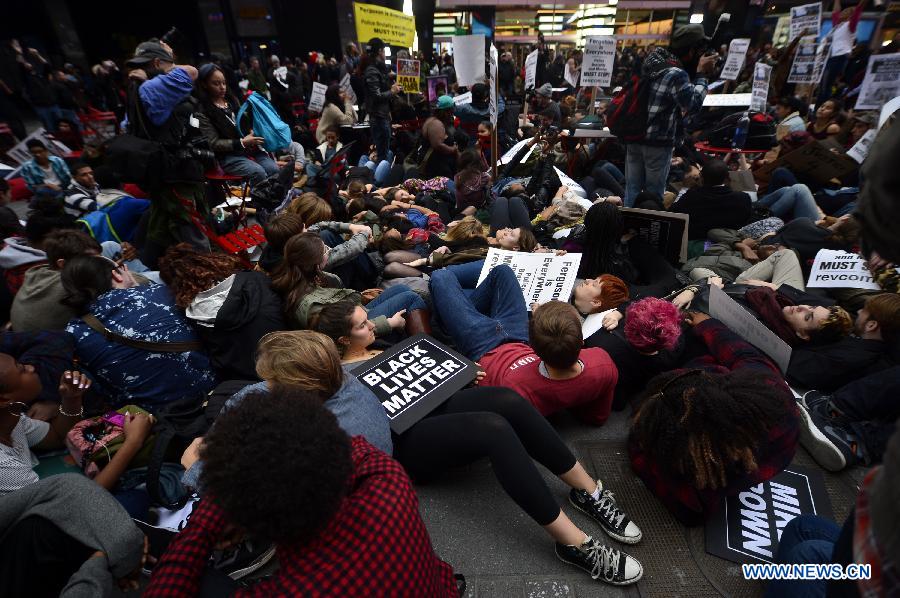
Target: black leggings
509	212
498	424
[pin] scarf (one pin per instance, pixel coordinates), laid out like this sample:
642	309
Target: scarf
768	305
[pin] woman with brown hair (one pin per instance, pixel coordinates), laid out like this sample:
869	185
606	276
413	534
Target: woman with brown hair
305	287
230	308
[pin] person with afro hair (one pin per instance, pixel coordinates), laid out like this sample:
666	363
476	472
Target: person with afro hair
725	423
345	499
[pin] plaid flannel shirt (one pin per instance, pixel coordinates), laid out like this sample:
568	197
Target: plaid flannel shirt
376	544
34	176
672	97
728	352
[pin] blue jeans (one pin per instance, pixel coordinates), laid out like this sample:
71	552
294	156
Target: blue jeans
394	299
493	314
381	170
646	169
781	177
795	201
381	136
807	539
241	165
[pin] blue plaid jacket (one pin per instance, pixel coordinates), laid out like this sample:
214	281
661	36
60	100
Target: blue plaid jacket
672	97
34	176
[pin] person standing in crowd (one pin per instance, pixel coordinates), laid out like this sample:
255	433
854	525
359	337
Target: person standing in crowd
506	74
379	92
441	149
672	96
256	78
843	35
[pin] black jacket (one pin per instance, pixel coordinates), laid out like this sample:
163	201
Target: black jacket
378	92
828	367
713	207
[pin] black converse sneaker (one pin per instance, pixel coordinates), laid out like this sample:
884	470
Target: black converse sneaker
602	562
605	512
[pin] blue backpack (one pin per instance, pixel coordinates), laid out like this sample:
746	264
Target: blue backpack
266	123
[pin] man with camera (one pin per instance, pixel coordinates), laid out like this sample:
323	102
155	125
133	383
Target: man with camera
161	110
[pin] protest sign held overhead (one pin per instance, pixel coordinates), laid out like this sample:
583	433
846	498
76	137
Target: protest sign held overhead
762	73
414	377
542	277
531	69
840	269
881	82
804	65
317	98
597	66
743	323
734	62
806	20
468	59
391	26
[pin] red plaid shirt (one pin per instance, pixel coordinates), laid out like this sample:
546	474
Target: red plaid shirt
376	545
728	352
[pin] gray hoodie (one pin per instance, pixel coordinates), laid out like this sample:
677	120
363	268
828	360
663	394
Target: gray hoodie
37	304
16	252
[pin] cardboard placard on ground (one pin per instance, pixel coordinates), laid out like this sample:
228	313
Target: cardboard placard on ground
840	270
393	27
531	69
597	66
734	62
542	277
747	326
762	73
317	97
408	75
414	377
667	232
468	59
748	526
726	99
806	17
881	83
819	162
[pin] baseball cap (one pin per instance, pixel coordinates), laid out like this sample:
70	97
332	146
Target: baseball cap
545	90
688	35
374	45
444	102
147	51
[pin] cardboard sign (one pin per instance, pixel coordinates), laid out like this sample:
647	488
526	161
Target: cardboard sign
468	59
437	87
509	155
806	20
531	69
819	162
762	73
748	527
726	99
666	232
840	270
347	88
463	98
317	97
881	83
861	148
734	62
744	324
542	277
20	152
597	66
408	75
414	377
392	26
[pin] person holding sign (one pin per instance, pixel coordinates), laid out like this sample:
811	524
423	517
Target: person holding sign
497	423
338	111
379	92
843	35
723	424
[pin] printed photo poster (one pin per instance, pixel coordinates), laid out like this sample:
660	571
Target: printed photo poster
468	59
542	277
823	52
531	69
806	20
861	148
437	87
734	62
759	97
597	64
317	97
881	83
803	67
840	270
393	26
408	75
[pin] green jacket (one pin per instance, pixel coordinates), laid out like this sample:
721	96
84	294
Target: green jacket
312	303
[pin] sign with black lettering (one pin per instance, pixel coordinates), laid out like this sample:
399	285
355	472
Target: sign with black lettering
667	232
414	377
542	277
748	526
841	270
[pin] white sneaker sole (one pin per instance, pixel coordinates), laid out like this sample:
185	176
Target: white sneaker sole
819	446
613	535
259	563
627	582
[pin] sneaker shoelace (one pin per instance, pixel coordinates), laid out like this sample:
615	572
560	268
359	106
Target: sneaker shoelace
604	560
606	504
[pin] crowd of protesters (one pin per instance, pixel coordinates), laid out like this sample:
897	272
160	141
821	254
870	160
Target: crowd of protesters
124	313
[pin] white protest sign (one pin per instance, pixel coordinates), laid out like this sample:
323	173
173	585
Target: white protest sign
727	99
840	270
531	69
881	83
887	110
571	75
804	65
734	62
348	89
463	98
492	104
597	66
759	96
861	148
542	277
806	17
567	181
509	155
20	152
744	324
823	52
593	323
468	59
317	98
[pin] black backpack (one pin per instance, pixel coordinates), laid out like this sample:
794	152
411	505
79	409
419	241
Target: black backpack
626	115
271	191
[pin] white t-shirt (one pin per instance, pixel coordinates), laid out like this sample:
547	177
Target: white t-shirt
842	40
50	177
17	461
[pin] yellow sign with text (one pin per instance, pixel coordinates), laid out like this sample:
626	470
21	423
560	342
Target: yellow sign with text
392	26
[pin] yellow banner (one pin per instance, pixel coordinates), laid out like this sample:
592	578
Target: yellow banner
392	26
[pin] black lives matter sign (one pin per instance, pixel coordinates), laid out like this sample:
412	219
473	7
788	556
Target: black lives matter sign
414	377
748	526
